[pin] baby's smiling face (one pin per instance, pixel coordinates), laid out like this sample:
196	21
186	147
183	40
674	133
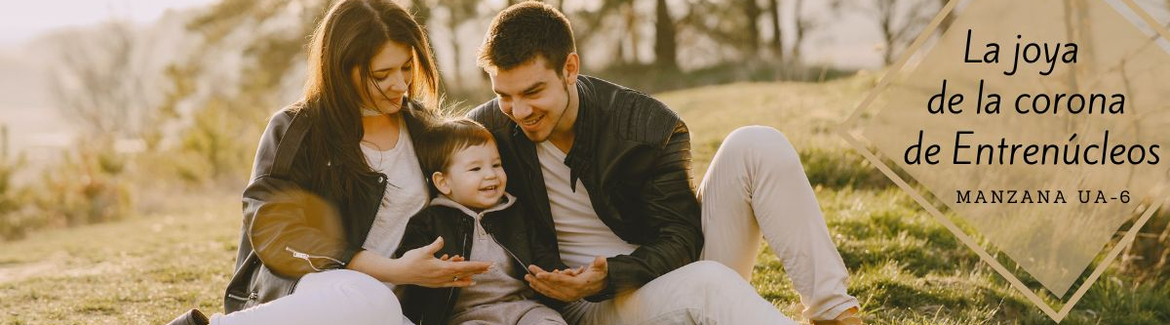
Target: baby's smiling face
474	178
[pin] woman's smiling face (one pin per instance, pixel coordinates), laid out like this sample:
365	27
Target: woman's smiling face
391	72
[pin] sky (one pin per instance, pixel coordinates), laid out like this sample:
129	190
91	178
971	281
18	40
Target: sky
22	20
24	106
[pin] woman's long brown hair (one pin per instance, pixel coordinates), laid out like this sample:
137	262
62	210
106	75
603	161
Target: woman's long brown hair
348	37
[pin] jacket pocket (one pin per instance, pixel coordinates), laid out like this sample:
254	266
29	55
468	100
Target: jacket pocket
268	286
260	286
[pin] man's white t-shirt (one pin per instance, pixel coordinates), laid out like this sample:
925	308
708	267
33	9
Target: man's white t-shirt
580	233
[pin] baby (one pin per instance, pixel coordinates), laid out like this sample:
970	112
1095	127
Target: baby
478	221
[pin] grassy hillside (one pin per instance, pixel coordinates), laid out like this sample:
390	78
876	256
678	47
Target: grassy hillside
906	268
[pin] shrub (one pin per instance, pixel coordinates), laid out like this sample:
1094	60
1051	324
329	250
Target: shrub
88	186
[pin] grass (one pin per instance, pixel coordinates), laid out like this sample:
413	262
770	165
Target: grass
137	271
907	269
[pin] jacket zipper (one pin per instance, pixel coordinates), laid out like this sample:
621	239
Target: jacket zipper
505	248
309	258
251	295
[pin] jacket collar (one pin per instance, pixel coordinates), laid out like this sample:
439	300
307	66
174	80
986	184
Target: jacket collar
443	200
579	157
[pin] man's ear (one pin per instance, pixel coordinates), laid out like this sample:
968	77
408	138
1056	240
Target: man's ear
572	68
441	184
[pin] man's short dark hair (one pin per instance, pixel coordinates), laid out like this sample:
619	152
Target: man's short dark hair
522	32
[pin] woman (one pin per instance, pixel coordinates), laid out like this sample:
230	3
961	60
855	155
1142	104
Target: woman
335	180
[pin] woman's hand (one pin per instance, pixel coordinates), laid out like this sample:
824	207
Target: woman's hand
425	270
420	267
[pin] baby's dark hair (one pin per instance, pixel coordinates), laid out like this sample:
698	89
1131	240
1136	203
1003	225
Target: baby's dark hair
442	140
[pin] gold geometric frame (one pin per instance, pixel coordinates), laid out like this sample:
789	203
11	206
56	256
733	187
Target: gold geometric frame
849	124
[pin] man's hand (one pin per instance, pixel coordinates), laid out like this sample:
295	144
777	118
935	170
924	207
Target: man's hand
572	284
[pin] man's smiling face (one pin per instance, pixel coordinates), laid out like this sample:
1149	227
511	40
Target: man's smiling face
535	97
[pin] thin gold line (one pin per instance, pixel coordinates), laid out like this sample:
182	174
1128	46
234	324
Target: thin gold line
905	57
1149	20
954	229
848	124
1125	241
1131	234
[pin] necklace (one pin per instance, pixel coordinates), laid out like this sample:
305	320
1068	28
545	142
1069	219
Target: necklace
377	151
383	152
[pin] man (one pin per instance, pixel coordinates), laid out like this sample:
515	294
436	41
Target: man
607	169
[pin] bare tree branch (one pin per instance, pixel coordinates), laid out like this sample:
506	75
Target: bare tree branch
95	80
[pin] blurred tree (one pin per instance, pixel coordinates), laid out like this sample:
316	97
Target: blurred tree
223	18
96	83
722	22
948	20
461	11
752	13
665	46
628	53
899	22
802	24
216	116
805	24
588	24
777	35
